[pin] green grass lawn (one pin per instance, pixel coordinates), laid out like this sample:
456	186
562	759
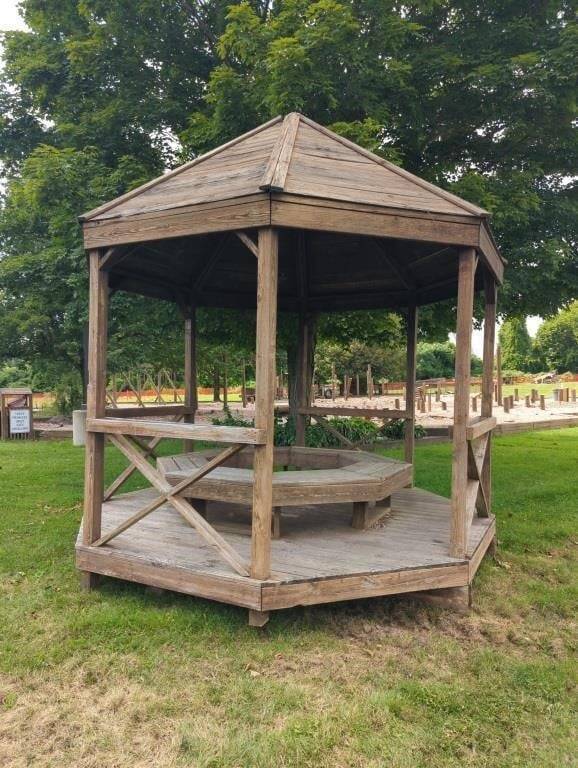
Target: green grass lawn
124	677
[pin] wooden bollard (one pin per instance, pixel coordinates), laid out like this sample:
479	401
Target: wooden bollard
527	398
474	403
444	405
542	403
511	401
573	394
429	401
516	395
506	404
567	395
397	403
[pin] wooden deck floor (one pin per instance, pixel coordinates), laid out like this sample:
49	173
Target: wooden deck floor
319	558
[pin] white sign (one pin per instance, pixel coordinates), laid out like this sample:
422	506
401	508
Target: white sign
19	421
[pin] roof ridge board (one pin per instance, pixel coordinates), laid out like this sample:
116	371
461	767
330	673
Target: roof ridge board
153	182
476	210
276	171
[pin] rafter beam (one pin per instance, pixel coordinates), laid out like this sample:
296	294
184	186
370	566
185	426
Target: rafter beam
249	242
208	267
398	268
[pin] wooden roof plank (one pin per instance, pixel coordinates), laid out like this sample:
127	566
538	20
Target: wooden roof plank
470	207
171	174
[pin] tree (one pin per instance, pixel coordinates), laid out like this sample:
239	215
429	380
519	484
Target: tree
475	96
516	344
437	361
557	340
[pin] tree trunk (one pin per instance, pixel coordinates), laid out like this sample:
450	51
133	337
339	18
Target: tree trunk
293	366
216	385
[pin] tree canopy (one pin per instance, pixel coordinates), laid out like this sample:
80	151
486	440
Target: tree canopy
557	341
474	95
516	344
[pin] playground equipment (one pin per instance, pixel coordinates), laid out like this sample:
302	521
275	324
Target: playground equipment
288	217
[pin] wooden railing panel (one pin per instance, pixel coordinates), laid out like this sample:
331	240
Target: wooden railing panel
137	412
481	427
377	413
207	432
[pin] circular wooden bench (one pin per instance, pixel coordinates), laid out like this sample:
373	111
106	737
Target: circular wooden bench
312	476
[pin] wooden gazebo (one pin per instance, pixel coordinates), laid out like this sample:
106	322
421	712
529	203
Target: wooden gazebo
289	216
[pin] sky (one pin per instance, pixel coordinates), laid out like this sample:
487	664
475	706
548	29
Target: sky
9	19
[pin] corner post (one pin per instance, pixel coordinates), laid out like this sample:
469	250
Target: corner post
191	401
459	513
95	403
267	269
409	437
490	290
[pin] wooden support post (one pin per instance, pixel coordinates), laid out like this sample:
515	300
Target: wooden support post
303	394
542	403
527	399
267	269
191	397
490	295
499	374
258	618
506	404
459	516
369	383
411	348
95	406
516	394
357	384
444	405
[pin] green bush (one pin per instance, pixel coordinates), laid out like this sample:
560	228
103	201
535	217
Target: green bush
395	430
354	428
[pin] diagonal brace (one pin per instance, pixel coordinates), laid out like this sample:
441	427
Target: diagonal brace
183	506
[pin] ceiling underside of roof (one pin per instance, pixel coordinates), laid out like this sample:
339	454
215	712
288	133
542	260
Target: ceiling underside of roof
318	270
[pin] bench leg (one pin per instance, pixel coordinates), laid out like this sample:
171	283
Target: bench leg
360	516
276	523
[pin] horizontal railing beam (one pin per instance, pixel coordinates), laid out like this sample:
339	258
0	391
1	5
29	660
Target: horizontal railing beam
481	427
207	432
377	413
137	412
